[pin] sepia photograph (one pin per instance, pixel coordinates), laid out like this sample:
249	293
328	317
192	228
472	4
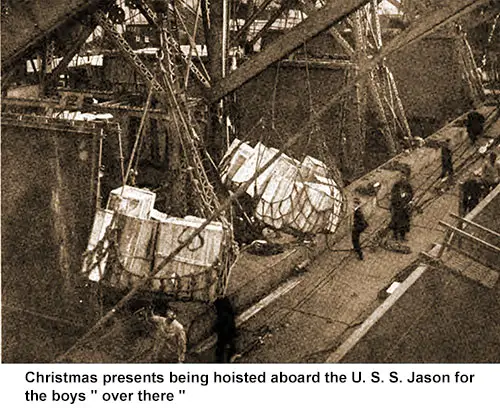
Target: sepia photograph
250	181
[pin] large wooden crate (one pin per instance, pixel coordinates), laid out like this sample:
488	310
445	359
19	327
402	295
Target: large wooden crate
135	243
136	248
132	201
194	272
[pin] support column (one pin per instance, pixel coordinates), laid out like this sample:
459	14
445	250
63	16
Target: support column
356	115
213	22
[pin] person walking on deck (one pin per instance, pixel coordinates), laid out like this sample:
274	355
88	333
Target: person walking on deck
475	126
401	200
472	191
225	328
359	225
490	172
446	160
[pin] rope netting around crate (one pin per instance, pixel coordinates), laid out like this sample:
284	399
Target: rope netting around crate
297	197
108	264
301	202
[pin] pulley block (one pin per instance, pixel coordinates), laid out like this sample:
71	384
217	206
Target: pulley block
116	15
131	4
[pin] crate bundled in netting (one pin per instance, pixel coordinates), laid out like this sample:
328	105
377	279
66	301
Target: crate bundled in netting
131	242
300	196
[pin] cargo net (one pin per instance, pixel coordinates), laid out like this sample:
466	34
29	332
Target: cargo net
127	248
301	198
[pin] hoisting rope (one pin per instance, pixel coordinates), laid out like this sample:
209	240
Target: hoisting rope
488	42
139	135
122	157
212	217
99	171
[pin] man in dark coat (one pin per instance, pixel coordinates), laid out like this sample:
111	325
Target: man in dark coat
225	328
358	226
401	199
472	191
475	126
446	160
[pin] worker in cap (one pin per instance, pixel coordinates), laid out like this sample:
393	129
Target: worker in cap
171	335
161	338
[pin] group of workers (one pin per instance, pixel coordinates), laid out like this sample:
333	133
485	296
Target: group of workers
472	191
161	338
400	208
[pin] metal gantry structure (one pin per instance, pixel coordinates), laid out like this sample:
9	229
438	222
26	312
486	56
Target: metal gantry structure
227	41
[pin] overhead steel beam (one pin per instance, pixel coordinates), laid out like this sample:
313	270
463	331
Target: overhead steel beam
317	22
250	21
308	8
42	104
29	22
285	6
86	30
450	11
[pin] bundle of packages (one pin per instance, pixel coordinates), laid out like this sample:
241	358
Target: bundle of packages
130	241
292	195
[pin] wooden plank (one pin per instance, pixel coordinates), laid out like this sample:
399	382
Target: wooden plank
316	23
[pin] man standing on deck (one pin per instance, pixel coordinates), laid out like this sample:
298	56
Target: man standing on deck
446	160
475	126
401	200
359	224
161	337
225	328
472	191
490	172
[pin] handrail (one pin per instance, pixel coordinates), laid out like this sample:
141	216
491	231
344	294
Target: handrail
472	237
482	227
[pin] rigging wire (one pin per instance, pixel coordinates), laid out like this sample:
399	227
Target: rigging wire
139	135
273	99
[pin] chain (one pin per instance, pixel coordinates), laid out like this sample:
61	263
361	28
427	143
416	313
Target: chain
50	56
172	44
108	26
